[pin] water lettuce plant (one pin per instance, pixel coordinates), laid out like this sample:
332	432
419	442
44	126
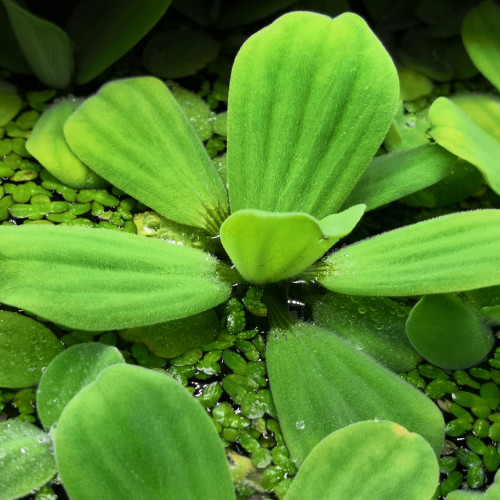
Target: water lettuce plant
311	99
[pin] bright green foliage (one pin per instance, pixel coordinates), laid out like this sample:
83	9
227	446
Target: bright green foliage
26	348
491	493
469	127
45	46
448	332
450	253
68	373
480	36
97	27
394	175
376	460
26	459
133	133
10	102
173	338
374	325
135	433
48	145
101	280
267	247
320	383
310	101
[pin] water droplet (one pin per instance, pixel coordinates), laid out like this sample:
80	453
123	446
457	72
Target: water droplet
300	424
23	451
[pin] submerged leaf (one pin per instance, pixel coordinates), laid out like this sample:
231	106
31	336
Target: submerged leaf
95	279
48	145
161	440
447	254
267	247
321	383
448	332
26	348
392	462
310	101
68	373
134	134
480	37
26	459
47	48
374	325
469	127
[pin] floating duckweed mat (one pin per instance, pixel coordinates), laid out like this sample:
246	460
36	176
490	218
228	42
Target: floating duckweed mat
225	368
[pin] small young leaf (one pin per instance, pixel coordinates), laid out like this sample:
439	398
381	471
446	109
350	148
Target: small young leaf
267	247
480	36
321	383
469	127
448	332
159	438
48	145
93	279
26	459
374	325
374	451
310	101
447	254
97	28
47	48
26	348
394	175
133	133
68	373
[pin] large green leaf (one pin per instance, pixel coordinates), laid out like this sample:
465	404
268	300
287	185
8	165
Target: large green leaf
68	373
480	36
447	254
135	433
99	279
11	55
394	175
374	325
469	127
376	460
268	247
26	459
449	332
310	101
48	145
133	133
98	29
47	48
321	383
26	348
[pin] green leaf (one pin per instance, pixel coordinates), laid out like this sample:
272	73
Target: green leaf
68	373
394	175
10	102
97	28
447	254
133	133
135	433
448	332
469	127
47	48
480	30
374	325
373	451
26	348
173	338
321	383
93	279
310	101
11	55
179	51
48	145
26	458
268	247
